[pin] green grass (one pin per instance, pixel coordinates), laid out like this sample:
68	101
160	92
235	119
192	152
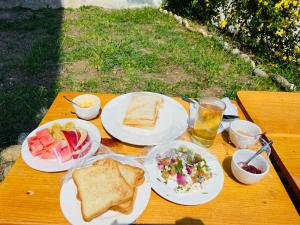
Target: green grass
97	50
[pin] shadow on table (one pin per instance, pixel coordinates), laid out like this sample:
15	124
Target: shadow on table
189	221
183	221
225	136
227	168
30	49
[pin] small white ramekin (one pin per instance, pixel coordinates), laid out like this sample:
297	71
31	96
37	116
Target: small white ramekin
87	113
243	175
240	140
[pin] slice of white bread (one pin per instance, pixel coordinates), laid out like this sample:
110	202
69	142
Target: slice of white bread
134	176
99	188
142	111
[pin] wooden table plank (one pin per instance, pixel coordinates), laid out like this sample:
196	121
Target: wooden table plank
274	112
267	202
278	113
287	155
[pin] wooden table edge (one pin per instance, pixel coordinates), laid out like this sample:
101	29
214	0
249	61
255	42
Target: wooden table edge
274	155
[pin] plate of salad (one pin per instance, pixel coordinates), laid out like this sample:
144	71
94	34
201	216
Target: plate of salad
184	173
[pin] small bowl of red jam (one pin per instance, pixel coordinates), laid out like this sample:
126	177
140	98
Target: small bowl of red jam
252	172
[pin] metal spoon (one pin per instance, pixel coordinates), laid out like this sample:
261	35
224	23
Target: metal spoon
189	100
71	101
261	134
262	149
195	102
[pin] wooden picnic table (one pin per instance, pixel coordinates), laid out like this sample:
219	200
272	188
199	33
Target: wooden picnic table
278	113
274	112
287	155
28	196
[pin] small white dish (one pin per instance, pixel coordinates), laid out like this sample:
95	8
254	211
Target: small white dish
87	113
209	191
243	133
244	176
70	205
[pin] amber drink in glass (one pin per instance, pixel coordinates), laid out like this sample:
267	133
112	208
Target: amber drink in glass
207	121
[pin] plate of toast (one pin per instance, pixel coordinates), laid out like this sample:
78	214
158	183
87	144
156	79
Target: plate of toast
144	118
112	189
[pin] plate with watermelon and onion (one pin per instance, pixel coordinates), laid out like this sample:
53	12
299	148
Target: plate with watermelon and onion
55	145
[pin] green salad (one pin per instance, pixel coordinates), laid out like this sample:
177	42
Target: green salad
183	169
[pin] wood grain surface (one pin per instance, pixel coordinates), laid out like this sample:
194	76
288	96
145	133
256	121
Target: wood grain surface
32	197
274	112
278	113
287	155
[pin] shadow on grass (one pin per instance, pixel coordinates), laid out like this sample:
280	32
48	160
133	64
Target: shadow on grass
29	66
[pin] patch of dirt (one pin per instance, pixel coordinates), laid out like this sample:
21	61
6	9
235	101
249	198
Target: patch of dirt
147	27
117	72
225	66
144	51
172	74
243	79
16	79
14	16
81	70
179	29
161	41
71	15
14	45
14	48
74	31
213	91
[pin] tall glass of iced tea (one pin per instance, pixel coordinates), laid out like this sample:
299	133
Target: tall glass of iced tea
207	121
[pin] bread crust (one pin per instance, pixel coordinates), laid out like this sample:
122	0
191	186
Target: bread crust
120	190
143	111
134	176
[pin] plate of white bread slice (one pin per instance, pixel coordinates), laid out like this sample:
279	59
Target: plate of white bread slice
144	118
110	190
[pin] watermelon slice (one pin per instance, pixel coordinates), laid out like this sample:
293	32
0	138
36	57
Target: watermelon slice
65	154
32	139
62	151
47	153
47	140
42	133
36	148
77	142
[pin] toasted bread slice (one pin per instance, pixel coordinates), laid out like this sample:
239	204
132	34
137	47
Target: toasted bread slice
99	188
134	176
142	111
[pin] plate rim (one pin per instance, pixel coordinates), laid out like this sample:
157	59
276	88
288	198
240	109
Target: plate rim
64	166
126	140
129	161
167	196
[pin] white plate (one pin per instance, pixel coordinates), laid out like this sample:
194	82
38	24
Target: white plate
70	205
210	190
171	123
53	165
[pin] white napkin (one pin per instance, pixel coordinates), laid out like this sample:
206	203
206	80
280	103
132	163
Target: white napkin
231	109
